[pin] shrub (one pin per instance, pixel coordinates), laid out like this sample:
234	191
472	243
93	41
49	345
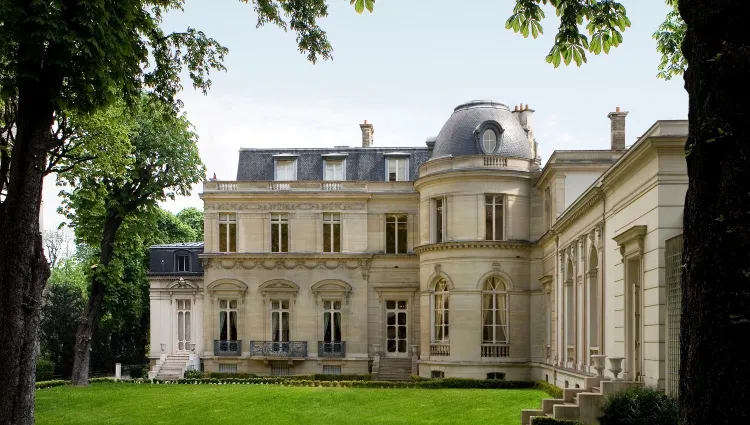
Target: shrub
136	371
639	406
321	377
45	368
552	421
193	374
49	384
220	375
550	389
416	378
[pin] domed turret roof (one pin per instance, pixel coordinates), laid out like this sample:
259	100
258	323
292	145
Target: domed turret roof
462	133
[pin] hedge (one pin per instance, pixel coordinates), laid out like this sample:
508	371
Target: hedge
553	391
315	377
640	406
540	420
60	382
428	384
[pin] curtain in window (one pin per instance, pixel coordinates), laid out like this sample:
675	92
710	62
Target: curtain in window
223	325
439	317
327	327
285	326
232	325
337	327
502	318
187	326
275	336
487	310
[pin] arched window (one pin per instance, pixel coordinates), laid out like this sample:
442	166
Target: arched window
440	311
494	311
489	140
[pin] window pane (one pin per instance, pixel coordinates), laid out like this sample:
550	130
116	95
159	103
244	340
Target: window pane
275	326
402	236
274	237
233	304
232	238
222	238
327	326
392	170
391	331
180	326
223	325
223	304
187	326
285	326
499	219
488	223
438	220
403	169
284	237
326	305
233	325
402	345
337	327
391	318
390	237
402	319
337	238
390	305
326	237
275	305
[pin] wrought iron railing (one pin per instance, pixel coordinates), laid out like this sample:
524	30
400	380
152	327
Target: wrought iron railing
278	349
331	349
495	350
227	348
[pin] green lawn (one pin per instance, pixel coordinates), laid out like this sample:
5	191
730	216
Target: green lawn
253	404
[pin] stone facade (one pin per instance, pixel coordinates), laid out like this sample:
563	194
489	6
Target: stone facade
483	263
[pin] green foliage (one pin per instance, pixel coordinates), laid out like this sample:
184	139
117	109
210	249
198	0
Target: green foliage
360	382
640	406
139	371
605	22
45	368
540	420
222	375
321	377
64	300
49	384
360	5
552	390
669	38
193	374
193	218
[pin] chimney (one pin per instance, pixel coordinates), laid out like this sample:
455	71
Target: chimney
367	134
617	132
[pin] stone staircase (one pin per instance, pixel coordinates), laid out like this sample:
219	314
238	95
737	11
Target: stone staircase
173	367
395	369
579	404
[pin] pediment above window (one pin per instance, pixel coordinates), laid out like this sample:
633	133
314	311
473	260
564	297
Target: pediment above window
279	288
331	288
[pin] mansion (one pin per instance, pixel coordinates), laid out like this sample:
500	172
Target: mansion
464	257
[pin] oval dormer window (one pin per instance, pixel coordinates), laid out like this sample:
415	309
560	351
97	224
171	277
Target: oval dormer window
489	141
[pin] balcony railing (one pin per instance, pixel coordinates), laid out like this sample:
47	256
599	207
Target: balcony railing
307	186
293	349
440	349
227	348
495	350
331	349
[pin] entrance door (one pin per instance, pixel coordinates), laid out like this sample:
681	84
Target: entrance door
183	325
396	328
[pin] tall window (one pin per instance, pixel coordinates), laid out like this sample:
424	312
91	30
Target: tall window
494	312
395	233
438	220
183	325
440	311
228	320
280	320
493	217
227	232
489	140
279	232
332	321
286	169
334	170
397	169
331	232
183	263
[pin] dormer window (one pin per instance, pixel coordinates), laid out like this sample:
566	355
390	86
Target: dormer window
334	170
397	169
183	263
285	170
489	140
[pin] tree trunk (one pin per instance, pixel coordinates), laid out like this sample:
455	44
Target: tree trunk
96	299
716	280
23	268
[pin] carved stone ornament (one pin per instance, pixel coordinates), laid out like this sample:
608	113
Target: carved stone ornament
496	269
290	264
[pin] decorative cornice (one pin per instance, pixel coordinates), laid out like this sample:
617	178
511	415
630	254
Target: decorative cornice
290	263
579	208
284	206
471	244
631	240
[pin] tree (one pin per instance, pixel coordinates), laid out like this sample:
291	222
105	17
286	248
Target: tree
707	40
107	201
79	56
57	246
193	217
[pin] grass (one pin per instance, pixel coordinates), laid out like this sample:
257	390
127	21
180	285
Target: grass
246	404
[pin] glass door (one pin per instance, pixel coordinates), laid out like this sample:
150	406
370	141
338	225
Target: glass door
396	333
183	326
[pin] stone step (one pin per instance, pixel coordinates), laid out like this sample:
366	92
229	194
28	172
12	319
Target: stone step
566	411
526	415
549	403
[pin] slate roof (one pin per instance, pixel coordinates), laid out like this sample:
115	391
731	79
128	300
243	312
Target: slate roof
362	164
458	136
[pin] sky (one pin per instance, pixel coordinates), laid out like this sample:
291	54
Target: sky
404	68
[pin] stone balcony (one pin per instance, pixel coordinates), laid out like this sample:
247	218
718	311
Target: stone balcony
236	187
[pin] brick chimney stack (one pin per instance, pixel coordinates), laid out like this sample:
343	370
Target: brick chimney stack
368	133
617	132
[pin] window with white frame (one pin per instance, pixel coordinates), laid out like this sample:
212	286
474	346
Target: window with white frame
285	170
280	321
227	232
183	263
494	311
335	169
489	141
396	233
494	218
279	232
331	322
228	320
397	169
440	312
331	232
438	219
